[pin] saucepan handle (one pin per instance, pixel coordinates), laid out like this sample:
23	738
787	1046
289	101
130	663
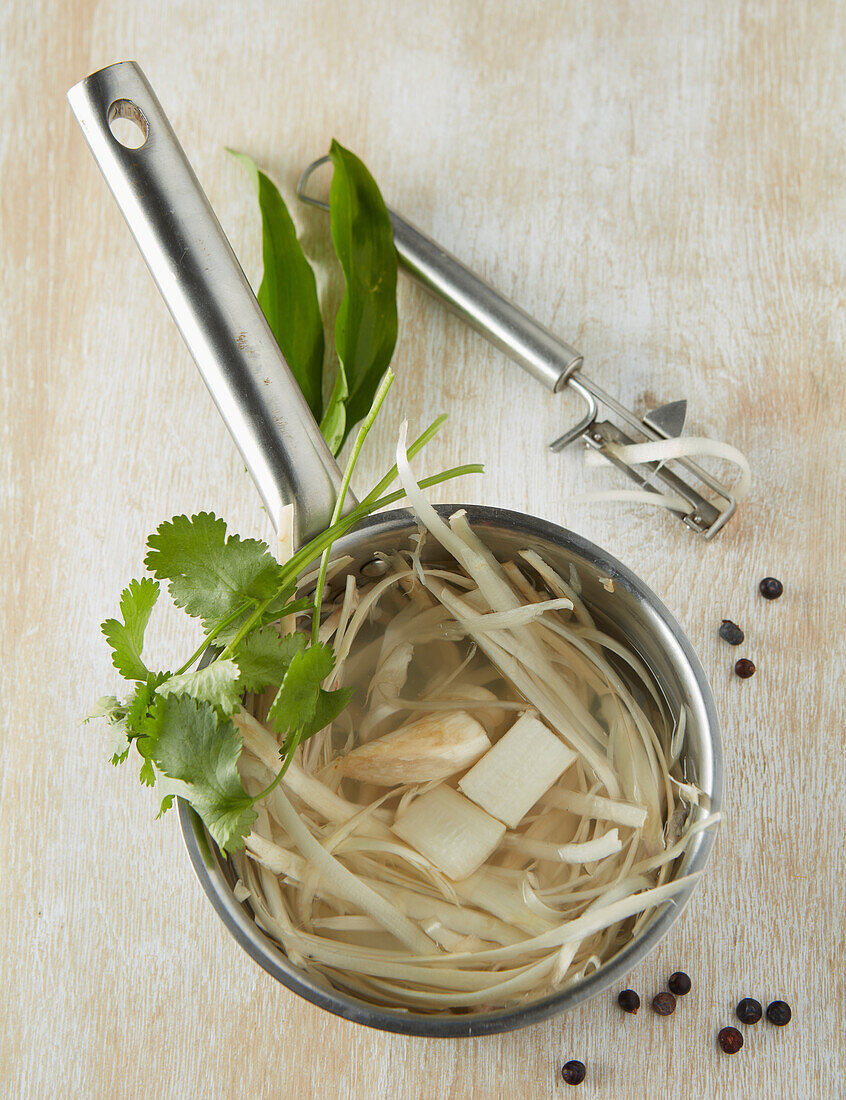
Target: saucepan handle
209	297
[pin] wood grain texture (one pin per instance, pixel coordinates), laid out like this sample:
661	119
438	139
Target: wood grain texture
664	185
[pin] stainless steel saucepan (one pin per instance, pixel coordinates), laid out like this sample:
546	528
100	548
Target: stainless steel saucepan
240	361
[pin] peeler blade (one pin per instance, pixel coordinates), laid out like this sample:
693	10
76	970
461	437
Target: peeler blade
668	420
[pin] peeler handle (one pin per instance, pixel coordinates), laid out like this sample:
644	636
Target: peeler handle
209	297
503	322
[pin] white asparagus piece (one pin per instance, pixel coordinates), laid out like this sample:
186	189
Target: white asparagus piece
430	748
450	831
517	771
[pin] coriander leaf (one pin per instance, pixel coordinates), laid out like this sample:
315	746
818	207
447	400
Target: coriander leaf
167	802
211	575
195	746
296	700
120	740
333	426
140	715
263	658
127	637
147	775
329	706
107	706
366	324
301	706
216	684
288	291
111	708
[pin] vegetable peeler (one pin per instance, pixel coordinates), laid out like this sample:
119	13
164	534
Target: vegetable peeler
555	365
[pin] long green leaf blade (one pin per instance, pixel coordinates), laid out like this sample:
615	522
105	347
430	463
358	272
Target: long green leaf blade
366	324
288	291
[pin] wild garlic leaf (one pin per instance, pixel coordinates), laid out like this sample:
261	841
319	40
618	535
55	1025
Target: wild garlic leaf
263	658
209	574
301	703
217	684
199	749
288	291
333	426
126	637
366	324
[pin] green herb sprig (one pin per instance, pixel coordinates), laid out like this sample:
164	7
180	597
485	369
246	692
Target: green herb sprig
180	722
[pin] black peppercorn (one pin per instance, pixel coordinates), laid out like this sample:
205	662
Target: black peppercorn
573	1072
629	1001
679	983
664	1004
730	1040
749	1011
779	1013
744	668
730	632
770	588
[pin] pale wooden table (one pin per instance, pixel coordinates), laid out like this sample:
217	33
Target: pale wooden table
664	184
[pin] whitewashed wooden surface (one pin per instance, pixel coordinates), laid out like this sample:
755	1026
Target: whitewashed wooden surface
664	185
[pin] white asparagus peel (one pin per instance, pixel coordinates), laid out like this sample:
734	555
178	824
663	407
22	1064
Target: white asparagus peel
593	805
491	711
558	585
585	925
465	547
520	616
521	980
534	692
488	892
459	970
261	742
554	684
346	885
690	446
450	979
678	736
599	848
452	941
429	640
388	681
462	919
674	851
276	859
